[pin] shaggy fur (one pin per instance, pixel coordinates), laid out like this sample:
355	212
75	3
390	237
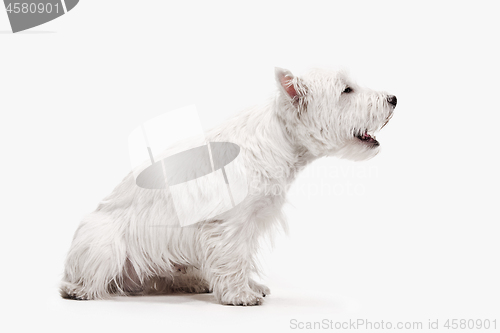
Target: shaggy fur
132	243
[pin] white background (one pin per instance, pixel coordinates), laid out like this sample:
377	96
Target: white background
418	238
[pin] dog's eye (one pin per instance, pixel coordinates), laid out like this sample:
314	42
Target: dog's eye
347	90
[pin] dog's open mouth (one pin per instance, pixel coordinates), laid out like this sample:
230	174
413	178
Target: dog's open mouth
368	139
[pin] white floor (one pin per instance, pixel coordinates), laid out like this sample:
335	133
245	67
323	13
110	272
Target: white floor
284	310
190	312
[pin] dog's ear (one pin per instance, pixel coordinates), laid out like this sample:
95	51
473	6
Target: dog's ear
290	85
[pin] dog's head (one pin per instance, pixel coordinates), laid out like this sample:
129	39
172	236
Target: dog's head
328	114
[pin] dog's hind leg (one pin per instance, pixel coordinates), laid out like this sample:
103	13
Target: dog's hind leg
183	279
190	280
95	261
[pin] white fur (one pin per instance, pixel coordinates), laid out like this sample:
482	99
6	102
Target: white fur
132	243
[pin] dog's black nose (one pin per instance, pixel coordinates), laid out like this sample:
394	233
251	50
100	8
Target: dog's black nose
392	100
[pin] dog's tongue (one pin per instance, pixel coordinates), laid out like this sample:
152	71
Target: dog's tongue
367	137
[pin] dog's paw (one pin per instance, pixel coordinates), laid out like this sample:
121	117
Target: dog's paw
71	291
244	298
259	288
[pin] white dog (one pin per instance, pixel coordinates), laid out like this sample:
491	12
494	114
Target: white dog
119	250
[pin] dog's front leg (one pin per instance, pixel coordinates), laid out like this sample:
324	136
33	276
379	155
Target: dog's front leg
229	263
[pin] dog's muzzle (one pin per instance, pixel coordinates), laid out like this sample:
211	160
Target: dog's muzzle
370	139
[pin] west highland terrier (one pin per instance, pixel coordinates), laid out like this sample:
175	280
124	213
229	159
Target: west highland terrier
119	249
